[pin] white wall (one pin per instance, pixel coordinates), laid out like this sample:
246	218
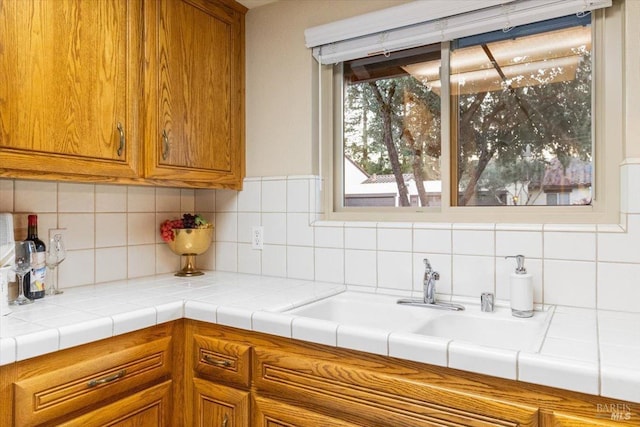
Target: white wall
279	91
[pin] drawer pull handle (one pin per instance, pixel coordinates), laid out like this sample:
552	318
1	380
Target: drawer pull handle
217	362
122	139
107	379
225	420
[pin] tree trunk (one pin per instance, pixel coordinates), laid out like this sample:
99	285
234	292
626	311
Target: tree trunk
483	161
418	166
385	104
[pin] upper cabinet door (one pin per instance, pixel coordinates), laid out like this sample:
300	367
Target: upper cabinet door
195	92
69	87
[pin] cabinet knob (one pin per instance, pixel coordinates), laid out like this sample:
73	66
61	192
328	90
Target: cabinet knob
165	145
225	420
122	139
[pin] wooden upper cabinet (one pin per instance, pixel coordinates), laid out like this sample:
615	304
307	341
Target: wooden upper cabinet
69	87
194	79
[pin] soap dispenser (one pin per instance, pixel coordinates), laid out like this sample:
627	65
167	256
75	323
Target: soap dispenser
521	289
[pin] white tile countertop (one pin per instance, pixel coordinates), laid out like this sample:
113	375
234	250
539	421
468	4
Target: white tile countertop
590	351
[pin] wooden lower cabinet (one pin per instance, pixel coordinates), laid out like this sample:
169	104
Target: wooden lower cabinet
189	373
215	405
298	384
121	381
147	408
271	413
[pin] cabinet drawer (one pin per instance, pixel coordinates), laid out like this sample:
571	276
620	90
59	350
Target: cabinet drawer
377	394
78	385
222	360
148	408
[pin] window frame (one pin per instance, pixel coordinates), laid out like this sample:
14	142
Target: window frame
608	119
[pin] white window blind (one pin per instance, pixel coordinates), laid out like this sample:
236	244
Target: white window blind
431	21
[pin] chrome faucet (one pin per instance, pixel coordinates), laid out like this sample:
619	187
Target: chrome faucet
429	283
429	297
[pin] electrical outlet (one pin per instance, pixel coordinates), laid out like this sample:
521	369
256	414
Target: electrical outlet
257	239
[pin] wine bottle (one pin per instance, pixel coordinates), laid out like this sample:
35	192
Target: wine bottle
34	281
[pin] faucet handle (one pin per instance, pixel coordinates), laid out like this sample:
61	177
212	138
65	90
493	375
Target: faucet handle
487	303
427	264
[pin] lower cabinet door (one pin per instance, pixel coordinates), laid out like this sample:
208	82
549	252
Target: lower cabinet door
147	408
271	413
216	405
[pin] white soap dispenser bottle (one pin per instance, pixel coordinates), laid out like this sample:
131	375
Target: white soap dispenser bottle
521	290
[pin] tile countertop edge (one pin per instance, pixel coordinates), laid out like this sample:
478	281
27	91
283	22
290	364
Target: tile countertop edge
591	377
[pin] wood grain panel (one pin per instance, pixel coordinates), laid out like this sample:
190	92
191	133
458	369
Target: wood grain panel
396	400
270	413
69	78
214	403
47	391
222	360
349	385
195	78
148	408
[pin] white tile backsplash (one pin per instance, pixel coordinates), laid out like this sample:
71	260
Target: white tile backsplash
111	229
167	199
574	246
299	231
274	260
328	237
528	243
187	199
274	196
141	199
360	267
142	228
298	195
226	256
394	239
226	201
300	262
35	196
395	270
621	247
205	200
473	242
249	260
246	222
250	196
432	240
141	260
329	265
570	283
275	228
111	198
618	286
359	238
74	197
6	195
79	232
226	227
571	264
78	269
472	275
111	264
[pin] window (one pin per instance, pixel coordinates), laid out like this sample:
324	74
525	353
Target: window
515	120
